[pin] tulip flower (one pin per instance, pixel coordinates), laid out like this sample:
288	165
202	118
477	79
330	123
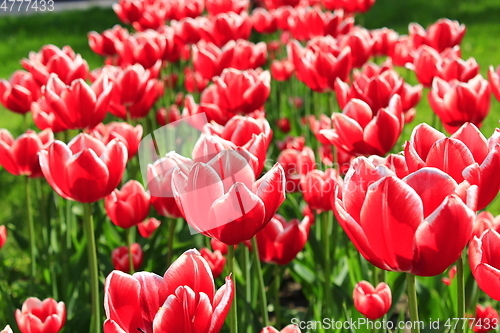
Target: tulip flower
126	133
159	177
376	86
129	11
483	254
485	220
280	241
429	63
403	224
452	272
264	22
104	44
305	23
466	155
148	227
19	92
36	316
187	30
235	92
215	7
456	103
282	70
318	187
284	125
288	329
121	260
185	8
296	163
210	60
360	43
359	130
20	156
7	329
215	260
373	303
395	163
3	235
350	6
169	115
223	200
384	40
145	48
147	302
441	35
194	82
485	320
403	52
320	63
85	170
224	27
135	91
76	106
129	206
494	80
65	63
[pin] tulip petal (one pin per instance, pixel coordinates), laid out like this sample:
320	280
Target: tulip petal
451	156
270	188
221	305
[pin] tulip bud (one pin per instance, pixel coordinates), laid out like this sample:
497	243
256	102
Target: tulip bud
120	257
148	226
215	260
485	320
373	303
129	206
36	316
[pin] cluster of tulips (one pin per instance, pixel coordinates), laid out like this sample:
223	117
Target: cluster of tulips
298	158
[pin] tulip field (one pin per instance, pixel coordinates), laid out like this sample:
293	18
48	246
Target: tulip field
205	166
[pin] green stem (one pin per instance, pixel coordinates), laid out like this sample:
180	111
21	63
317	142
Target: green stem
460	291
412	299
130	241
327	301
95	324
31	232
276	287
248	287
233	312
171	239
262	287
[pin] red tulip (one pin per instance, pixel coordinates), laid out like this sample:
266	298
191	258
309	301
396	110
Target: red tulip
126	133
248	55
222	199
76	106
7	329
494	80
185	8
135	91
20	156
120	257
395	163
384	41
451	275
485	320
224	27
466	155
288	329
403	51
320	63
441	35
129	206
210	60
105	44
284	125
429	63
159	177
194	82
318	187
187	30
359	130
373	303
215	7
3	235
282	70
485	220
403	224
280	241
166	116
376	86
38	316
360	42
305	23
356	6
129	11
148	227
215	260
277	4
218	246
264	22
483	260
151	303
235	92
85	170
64	62
145	48
296	163
19	92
